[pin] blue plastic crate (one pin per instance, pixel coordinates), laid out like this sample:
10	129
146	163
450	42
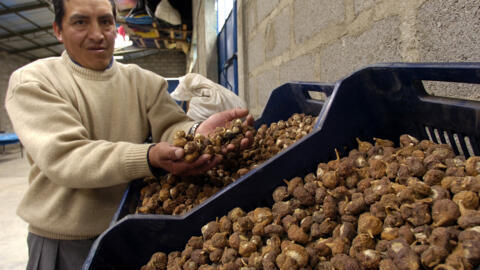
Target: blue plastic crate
383	101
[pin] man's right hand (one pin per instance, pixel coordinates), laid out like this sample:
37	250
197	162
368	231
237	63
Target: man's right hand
170	158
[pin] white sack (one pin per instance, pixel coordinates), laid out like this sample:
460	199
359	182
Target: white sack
166	12
205	97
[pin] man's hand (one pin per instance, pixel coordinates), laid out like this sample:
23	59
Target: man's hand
170	158
220	119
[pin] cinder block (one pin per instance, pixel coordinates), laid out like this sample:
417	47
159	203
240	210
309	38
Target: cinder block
251	98
264	8
264	84
381	43
250	15
449	30
278	34
256	50
311	16
169	64
10	63
301	68
361	5
453	90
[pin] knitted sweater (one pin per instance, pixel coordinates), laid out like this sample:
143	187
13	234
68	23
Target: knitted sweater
83	131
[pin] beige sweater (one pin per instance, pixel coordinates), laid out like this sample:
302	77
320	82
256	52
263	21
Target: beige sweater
83	132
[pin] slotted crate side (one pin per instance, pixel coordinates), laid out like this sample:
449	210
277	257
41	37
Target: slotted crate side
387	101
382	101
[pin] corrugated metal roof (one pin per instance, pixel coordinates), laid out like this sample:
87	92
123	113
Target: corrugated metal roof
26	29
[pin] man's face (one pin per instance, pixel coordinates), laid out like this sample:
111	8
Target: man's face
88	32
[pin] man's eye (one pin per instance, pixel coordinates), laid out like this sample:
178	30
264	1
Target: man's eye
107	21
79	22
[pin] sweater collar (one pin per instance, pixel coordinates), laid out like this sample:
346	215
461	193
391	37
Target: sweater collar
109	64
87	73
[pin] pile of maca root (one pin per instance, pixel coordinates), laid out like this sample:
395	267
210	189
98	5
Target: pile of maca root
412	207
174	195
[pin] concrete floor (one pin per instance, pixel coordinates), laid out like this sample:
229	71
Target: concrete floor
13	230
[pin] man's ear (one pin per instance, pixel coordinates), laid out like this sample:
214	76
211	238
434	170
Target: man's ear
58	31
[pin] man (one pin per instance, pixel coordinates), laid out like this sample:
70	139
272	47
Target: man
83	119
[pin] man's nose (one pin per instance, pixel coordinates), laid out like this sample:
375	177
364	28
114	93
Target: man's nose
95	32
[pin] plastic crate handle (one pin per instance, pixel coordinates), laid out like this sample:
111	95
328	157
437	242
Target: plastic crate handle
306	87
448	72
292	98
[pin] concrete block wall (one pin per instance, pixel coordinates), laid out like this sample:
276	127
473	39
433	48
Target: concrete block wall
9	63
324	41
167	63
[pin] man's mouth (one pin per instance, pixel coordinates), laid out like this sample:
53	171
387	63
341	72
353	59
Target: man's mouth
97	49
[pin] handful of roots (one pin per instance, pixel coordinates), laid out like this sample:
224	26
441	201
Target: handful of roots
176	195
194	146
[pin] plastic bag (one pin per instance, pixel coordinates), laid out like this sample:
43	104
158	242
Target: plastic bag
205	97
164	11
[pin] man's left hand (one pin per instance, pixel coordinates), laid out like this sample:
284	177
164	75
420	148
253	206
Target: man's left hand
220	119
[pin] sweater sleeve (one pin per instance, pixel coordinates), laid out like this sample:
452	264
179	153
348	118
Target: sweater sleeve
51	129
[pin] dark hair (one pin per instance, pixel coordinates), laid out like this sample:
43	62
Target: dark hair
59	8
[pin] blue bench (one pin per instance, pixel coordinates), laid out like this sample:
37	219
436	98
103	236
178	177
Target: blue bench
10	138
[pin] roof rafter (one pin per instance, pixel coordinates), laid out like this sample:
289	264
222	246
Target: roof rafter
26	32
36	47
23	7
31	41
